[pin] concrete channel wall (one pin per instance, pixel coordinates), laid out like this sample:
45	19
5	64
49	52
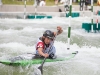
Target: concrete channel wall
49	10
29	8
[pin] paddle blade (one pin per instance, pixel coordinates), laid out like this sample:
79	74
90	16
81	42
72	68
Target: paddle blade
41	66
36	72
41	69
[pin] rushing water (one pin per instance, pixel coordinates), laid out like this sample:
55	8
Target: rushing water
19	37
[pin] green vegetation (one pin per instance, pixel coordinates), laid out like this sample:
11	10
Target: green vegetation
16	2
31	2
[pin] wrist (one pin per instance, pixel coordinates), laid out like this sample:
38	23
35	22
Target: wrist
59	32
43	55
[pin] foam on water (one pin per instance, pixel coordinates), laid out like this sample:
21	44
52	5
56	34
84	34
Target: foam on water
55	20
82	32
25	29
19	37
19	48
37	21
87	56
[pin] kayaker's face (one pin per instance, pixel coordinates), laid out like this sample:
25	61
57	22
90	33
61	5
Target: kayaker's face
47	40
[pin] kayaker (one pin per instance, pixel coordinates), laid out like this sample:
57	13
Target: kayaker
45	44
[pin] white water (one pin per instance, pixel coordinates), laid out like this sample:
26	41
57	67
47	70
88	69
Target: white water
19	37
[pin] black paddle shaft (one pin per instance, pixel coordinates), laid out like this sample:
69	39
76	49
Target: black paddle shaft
41	66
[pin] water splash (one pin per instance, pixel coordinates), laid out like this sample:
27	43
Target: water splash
36	71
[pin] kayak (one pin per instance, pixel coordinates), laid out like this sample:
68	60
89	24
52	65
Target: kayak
30	59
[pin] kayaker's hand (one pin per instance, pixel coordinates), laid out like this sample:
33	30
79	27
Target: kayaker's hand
46	55
59	29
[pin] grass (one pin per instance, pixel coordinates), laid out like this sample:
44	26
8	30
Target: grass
16	2
95	4
31	2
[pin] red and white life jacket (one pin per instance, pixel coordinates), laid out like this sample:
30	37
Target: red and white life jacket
40	44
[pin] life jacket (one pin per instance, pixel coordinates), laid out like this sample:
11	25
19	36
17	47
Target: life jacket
41	44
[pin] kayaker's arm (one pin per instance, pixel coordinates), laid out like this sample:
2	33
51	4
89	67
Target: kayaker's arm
40	50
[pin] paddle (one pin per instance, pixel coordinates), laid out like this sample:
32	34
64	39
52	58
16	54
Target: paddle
41	66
